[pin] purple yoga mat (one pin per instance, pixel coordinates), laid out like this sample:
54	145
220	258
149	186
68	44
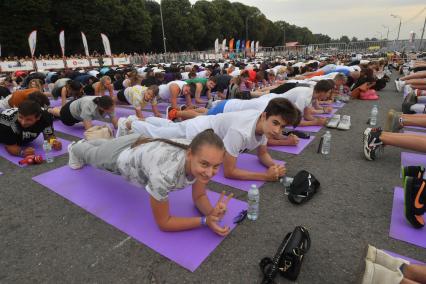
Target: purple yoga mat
303	143
327	115
415	132
412	159
125	112
245	162
412	261
127	207
314	129
416	127
38	146
335	105
55	103
400	229
75	130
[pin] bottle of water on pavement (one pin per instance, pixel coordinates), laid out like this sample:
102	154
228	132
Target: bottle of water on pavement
326	143
373	116
253	203
47	151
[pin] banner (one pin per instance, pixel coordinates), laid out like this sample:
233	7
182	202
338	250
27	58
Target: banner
224	45
106	61
237	46
62	42
74	63
247	44
243	45
86	47
231	45
257	45
216	45
32	40
121	61
252	46
107	46
49	64
11	66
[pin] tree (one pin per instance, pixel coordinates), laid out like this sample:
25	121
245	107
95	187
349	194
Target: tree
344	39
354	39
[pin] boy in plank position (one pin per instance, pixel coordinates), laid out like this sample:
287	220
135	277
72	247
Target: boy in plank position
241	131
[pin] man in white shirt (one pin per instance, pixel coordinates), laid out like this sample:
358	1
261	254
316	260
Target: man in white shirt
171	91
240	131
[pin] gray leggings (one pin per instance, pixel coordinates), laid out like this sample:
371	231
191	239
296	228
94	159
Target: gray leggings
103	153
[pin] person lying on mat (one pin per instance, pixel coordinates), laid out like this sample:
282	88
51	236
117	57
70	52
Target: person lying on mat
172	90
380	267
20	126
162	166
87	109
241	132
70	89
139	96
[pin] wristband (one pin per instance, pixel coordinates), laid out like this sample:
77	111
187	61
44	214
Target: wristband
203	221
21	153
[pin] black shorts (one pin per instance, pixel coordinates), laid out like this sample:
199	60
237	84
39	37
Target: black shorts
66	116
121	97
281	89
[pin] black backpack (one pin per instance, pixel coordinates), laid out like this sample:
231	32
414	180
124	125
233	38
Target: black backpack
303	187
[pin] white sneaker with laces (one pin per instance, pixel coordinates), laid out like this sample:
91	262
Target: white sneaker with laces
334	121
345	123
73	162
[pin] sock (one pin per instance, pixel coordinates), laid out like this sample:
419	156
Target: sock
418	108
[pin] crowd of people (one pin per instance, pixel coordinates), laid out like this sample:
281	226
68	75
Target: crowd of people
215	111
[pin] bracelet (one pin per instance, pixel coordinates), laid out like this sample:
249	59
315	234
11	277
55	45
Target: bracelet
203	221
21	153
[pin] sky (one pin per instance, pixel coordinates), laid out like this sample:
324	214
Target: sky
359	18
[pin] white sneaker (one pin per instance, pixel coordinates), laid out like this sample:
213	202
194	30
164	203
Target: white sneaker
334	121
73	162
399	85
377	274
380	257
122	129
345	123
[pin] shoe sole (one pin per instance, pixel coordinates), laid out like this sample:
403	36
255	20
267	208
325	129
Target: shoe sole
73	167
365	140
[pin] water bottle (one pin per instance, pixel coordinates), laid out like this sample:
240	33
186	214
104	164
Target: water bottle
286	181
373	116
326	143
253	203
47	151
341	90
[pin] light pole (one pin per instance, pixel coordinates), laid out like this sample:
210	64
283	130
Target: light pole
162	27
247	27
400	22
387	34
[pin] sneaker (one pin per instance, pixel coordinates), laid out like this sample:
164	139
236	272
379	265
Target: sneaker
414	195
171	113
345	123
399	85
334	121
392	123
380	257
413	171
372	142
73	162
377	274
209	104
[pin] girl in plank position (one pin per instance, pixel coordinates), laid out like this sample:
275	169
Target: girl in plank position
162	166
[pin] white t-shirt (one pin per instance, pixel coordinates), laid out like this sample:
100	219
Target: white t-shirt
185	75
237	130
164	90
158	166
301	97
202	74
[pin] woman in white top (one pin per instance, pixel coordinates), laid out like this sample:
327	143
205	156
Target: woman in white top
161	166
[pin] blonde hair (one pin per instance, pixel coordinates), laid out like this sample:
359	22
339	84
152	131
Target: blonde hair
37	82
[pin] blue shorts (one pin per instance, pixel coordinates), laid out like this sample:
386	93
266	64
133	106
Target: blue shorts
217	108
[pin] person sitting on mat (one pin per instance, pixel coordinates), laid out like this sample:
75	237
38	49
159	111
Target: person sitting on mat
139	96
22	125
85	110
379	267
241	132
162	166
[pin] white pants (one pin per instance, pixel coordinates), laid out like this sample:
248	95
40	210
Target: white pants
156	127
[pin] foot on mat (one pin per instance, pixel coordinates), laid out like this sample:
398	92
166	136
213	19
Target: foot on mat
414	197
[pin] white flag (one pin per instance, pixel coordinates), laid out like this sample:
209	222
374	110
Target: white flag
224	45
252	46
107	46
32	40
0	50
257	46
62	41
216	45
86	47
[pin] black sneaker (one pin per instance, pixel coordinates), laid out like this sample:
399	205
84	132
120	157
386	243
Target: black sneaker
414	197
372	143
413	171
409	100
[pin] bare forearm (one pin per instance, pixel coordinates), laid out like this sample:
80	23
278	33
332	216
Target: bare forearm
237	173
174	224
203	204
